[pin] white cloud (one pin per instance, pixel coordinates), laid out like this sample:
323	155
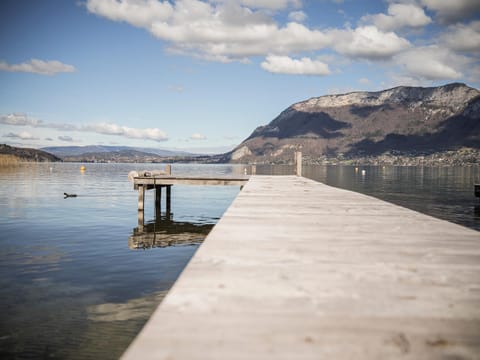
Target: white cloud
20	119
65	138
287	65
24	135
406	80
37	66
453	10
364	81
141	13
399	16
370	43
269	4
197	136
432	63
176	88
132	133
298	16
235	30
463	37
221	31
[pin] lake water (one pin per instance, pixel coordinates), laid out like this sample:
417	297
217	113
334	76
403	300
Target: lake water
72	285
79	278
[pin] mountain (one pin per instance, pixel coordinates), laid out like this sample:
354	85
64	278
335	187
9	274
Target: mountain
26	154
404	120
69	151
126	154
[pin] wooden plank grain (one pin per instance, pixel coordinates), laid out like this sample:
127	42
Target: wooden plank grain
296	269
190	180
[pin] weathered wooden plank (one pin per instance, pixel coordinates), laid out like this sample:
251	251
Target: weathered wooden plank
299	270
186	180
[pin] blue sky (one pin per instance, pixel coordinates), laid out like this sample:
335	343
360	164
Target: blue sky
201	75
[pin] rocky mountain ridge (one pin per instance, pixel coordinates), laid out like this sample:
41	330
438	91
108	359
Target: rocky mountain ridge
450	96
405	120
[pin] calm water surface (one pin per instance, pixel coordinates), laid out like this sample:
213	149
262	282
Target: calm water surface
80	278
443	192
72	283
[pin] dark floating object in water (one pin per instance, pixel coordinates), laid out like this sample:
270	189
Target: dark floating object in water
69	195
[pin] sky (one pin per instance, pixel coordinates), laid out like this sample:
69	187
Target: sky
201	75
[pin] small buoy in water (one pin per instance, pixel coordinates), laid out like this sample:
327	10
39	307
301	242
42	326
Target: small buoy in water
363	172
82	168
356	169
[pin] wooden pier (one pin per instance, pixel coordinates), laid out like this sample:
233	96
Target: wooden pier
296	269
164	179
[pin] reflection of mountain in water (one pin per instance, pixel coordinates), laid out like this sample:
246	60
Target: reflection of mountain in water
165	232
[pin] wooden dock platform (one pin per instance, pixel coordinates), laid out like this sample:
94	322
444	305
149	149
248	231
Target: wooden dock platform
164	179
296	269
168	180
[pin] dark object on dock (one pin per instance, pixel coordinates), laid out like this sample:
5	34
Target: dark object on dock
69	195
477	190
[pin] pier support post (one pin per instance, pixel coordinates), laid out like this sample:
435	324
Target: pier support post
254	169
158	195
169	197
141	197
141	202
168	169
141	220
158	201
298	163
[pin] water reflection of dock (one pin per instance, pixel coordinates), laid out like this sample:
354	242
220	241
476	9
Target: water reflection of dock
165	232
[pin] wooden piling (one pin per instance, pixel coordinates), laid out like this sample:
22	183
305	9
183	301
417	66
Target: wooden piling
141	197
141	220
298	163
158	195
158	201
168	200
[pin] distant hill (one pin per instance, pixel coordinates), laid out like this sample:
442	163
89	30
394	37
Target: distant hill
405	120
69	151
26	154
126	154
